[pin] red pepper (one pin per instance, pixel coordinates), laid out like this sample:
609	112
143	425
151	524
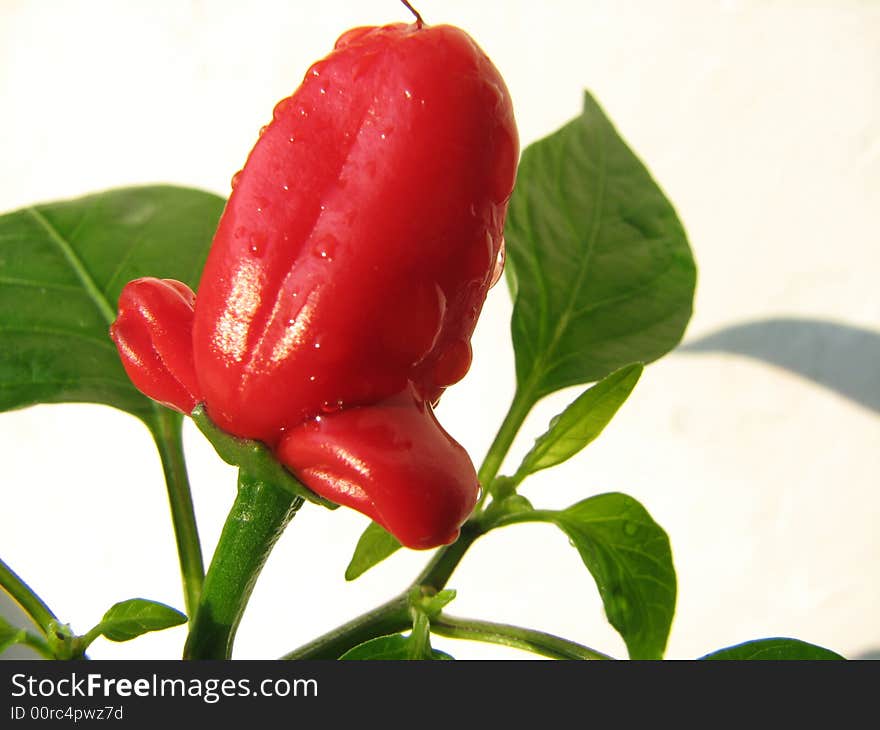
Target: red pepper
346	276
153	334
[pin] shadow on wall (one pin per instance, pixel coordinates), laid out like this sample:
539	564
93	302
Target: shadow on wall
843	358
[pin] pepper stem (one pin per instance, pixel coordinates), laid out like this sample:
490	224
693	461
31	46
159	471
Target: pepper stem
419	21
258	517
522	403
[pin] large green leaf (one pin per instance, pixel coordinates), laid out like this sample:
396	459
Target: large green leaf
581	422
600	264
375	544
62	267
629	557
773	649
129	619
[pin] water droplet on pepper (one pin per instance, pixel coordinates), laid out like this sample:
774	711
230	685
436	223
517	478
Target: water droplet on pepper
499	265
326	249
257	244
332	406
280	108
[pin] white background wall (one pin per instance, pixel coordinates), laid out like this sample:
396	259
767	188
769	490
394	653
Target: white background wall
760	119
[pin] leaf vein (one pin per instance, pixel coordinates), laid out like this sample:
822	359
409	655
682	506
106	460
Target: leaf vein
76	263
60	333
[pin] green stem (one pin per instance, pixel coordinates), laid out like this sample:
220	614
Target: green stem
394	616
438	572
516	637
166	428
29	601
533	515
522	403
38	645
420	638
85	641
258	517
389	618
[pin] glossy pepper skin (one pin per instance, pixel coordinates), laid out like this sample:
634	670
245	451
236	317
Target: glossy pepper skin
346	276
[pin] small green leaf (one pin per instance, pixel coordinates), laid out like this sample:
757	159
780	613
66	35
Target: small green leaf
433	605
599	261
253	458
629	557
392	647
581	422
631	560
502	487
773	649
375	544
129	619
500	510
62	267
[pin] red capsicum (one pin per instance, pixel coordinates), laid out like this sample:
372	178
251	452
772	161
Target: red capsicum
346	276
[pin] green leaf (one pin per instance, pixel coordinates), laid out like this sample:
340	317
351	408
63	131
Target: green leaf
433	605
581	422
426	604
600	263
502	487
374	546
129	619
773	649
629	557
392	647
500	510
62	267
254	458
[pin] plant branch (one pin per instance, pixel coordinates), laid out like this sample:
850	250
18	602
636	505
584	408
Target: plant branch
516	637
522	403
393	616
166	428
29	601
438	572
258	517
533	515
38	644
389	618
